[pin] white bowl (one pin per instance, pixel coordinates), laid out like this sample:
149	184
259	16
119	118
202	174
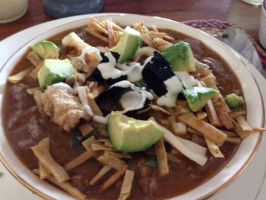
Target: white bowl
252	95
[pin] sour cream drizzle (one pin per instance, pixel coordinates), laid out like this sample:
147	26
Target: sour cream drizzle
109	70
173	87
145	95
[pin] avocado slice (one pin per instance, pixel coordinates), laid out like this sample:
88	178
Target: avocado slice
234	101
128	44
197	97
54	71
131	135
46	49
180	56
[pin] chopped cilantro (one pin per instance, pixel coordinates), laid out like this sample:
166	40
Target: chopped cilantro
1	174
78	138
151	163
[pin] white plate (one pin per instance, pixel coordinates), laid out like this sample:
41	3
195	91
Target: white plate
13	48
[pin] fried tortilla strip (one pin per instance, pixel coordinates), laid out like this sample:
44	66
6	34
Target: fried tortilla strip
161	157
212	115
87	143
19	76
160	109
118	155
223	115
42	152
258	129
111	161
85	129
65	186
91	31
93	105
242	134
44	172
237	113
213	148
109	182
234	140
204	128
243	124
219	104
100	147
100	174
111	34
126	185
79	160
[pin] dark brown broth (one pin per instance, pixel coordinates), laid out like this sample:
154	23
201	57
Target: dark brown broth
24	127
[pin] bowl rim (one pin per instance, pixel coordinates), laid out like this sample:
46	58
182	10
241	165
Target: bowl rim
104	15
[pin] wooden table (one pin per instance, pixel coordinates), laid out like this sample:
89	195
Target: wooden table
233	11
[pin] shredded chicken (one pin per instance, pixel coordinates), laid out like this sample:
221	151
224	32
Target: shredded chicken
58	102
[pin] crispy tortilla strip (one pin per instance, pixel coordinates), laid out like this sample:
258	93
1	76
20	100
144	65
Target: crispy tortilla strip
126	185
243	123
118	155
100	174
223	115
42	152
212	115
213	148
111	161
85	129
111	35
237	113
161	157
202	115
109	182
100	147
44	172
34	58
160	109
87	143
138	27
19	76
242	134
258	129
65	186
79	160
91	31
219	104
148	40
94	107
205	128
234	140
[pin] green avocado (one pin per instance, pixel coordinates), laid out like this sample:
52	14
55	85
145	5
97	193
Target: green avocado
180	56
233	100
197	97
46	49
131	135
54	71
128	44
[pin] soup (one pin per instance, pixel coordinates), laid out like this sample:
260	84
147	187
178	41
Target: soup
25	126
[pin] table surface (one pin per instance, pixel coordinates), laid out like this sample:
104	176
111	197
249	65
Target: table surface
233	11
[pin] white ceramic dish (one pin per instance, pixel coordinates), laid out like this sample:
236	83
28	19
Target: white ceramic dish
235	167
